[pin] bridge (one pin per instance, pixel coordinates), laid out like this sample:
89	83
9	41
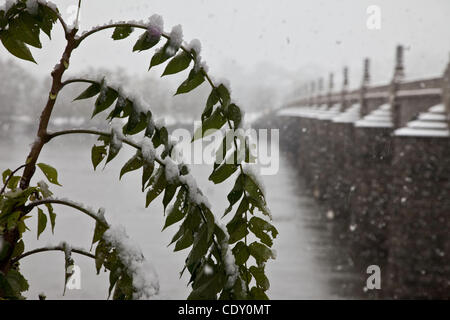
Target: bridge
378	160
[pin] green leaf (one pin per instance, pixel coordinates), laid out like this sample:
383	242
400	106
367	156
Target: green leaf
249	157
121	32
42	222
4	250
258	294
261	228
160	56
26	29
13	182
44	189
210	221
164	136
214	122
91	91
223	172
146	41
213	99
237	191
184	242
46	18
6	174
98	153
241	253
225	145
101	252
157	184
186	231
124	106
195	78
181	231
137	122
234	114
224	94
17	282
255	195
169	193
105	100
179	63
178	210
115	144
99	230
8	292
134	163
243	206
52	216
150	129
200	247
124	288
260	277
114	275
18	249
147	172
50	173
208	288
237	228
16	47
260	252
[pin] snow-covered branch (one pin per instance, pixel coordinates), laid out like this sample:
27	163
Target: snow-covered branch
53	248
80	207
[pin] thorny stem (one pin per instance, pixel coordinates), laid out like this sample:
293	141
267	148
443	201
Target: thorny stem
55	248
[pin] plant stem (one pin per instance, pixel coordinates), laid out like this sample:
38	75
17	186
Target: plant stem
12	236
30	207
42	135
56	248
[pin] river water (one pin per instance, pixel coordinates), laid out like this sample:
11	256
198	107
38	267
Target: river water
312	260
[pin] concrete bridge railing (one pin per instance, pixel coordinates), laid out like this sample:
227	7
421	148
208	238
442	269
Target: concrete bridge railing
378	159
411	97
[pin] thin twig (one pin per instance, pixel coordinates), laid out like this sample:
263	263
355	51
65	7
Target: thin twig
33	204
78	13
64	83
56	248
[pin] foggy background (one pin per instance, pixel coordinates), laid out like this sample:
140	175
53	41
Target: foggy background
267	49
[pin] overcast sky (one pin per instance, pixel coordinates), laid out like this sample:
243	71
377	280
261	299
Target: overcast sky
302	38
